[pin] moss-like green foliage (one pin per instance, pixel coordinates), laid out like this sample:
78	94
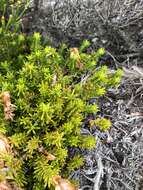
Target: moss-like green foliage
50	89
103	124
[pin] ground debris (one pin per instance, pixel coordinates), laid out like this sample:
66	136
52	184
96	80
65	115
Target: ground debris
122	157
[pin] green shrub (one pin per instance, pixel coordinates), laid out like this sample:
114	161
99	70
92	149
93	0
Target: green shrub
49	91
103	124
50	94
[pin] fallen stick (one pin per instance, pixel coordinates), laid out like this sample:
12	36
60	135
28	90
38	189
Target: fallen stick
98	175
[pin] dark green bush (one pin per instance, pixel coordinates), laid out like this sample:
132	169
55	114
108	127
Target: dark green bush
49	91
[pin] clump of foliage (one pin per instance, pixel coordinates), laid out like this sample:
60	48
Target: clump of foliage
44	100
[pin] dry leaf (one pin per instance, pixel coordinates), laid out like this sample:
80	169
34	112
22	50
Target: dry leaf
4	144
47	154
79	64
62	184
51	157
5	186
74	54
4	148
8	107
